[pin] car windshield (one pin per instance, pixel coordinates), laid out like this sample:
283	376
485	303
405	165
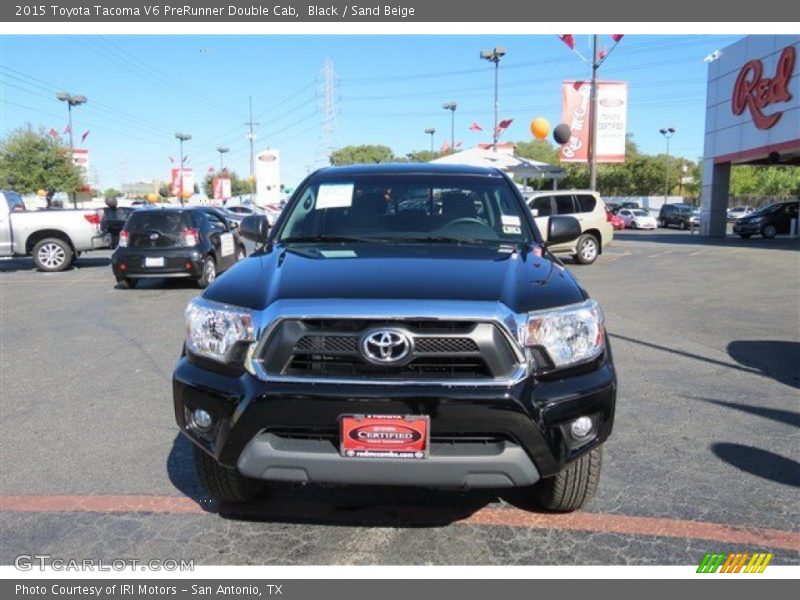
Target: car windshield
638	213
407	208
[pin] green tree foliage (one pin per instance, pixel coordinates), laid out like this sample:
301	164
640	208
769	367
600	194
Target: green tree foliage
765	181
239	186
421	156
112	193
367	154
34	160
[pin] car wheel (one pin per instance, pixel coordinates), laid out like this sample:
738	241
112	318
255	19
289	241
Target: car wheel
633	225
745	236
223	483
661	223
52	254
129	283
768	231
588	250
574	486
209	273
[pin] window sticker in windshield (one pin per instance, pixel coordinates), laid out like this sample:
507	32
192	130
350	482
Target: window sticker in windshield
336	195
338	253
510	220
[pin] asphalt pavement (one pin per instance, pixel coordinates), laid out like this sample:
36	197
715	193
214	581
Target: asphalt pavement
705	455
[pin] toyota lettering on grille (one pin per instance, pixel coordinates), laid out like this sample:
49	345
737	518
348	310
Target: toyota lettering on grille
386	346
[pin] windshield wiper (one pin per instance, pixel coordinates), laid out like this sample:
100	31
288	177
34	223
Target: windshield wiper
438	239
322	238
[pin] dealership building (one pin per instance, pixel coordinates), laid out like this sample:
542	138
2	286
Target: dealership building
752	116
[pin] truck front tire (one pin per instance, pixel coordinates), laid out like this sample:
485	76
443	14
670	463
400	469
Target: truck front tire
52	254
223	483
574	486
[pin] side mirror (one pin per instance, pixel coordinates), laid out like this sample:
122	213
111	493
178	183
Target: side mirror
254	228
561	230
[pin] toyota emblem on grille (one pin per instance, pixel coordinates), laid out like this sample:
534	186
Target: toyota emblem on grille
386	346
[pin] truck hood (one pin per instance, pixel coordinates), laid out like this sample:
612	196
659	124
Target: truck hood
520	280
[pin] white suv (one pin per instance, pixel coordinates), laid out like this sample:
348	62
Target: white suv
586	206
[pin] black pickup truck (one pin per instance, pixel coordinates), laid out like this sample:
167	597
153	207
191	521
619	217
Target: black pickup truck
399	325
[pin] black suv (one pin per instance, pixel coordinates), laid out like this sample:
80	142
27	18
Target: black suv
193	242
400	325
676	215
768	221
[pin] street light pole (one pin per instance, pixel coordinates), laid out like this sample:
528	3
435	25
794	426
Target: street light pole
451	106
182	137
71	101
592	150
494	56
430	131
252	137
667	132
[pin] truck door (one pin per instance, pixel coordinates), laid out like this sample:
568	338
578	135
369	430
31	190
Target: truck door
10	202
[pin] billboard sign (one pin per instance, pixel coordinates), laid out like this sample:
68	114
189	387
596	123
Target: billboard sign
222	188
268	177
80	158
188	182
612	110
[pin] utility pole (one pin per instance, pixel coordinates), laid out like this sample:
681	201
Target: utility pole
252	137
451	106
592	150
667	132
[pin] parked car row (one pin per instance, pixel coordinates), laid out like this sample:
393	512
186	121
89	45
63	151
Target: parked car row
768	221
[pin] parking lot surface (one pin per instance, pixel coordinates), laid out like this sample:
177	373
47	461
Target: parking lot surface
704	457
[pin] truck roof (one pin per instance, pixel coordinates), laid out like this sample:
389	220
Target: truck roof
408	169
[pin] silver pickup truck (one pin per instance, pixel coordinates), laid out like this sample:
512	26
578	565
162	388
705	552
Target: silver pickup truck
54	238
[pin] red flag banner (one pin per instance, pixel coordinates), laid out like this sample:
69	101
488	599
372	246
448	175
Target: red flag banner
85	135
568	39
171	159
475	127
504	124
445	147
67	130
211	169
53	133
458	144
617	36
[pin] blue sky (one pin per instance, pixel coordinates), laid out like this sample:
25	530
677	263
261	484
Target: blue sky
141	89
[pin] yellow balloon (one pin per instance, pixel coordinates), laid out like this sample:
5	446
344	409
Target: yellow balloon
41	193
187	194
152	198
540	128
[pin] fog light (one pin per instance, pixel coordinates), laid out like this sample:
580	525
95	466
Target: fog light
201	419
581	427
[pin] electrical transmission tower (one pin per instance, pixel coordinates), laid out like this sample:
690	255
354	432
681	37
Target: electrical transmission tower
329	104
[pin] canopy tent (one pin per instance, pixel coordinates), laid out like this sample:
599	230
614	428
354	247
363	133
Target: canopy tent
505	160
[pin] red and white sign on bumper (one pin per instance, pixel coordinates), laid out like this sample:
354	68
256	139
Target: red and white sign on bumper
612	112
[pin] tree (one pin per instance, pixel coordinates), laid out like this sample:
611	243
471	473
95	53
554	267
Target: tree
239	186
34	160
538	150
421	156
366	154
112	193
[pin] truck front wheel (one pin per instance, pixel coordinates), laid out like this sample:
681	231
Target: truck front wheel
223	483
574	486
52	254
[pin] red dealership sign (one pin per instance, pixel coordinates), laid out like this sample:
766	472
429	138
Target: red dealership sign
612	110
755	92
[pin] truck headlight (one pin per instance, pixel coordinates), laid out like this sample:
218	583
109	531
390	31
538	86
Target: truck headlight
570	335
213	330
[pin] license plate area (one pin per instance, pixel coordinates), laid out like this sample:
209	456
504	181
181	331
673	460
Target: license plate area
404	437
154	261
